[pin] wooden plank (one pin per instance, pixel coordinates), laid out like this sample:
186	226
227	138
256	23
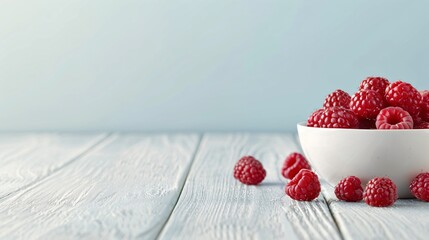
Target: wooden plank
28	158
125	188
213	205
406	219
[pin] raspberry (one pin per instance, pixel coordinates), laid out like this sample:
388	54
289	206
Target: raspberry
394	118
305	186
377	84
338	98
424	116
422	125
365	123
367	104
349	189
417	119
249	171
293	164
338	117
380	192
313	120
419	187
404	95
424	106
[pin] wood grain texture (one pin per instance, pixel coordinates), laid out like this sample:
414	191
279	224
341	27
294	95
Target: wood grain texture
406	219
213	205
28	158
126	187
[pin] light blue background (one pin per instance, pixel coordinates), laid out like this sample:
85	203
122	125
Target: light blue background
197	65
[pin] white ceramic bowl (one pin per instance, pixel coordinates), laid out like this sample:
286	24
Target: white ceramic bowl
337	153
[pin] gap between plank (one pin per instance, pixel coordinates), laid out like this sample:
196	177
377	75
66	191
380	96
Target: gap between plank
197	149
80	155
328	204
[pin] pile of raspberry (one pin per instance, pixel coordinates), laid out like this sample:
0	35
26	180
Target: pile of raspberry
378	104
304	184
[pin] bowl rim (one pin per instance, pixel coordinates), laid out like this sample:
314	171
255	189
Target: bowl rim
304	125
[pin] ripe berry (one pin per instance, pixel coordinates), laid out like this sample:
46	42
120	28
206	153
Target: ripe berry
313	120
424	106
249	171
380	192
394	118
367	104
404	95
338	98
419	187
424	116
305	186
365	123
377	84
349	189
422	125
293	164
338	117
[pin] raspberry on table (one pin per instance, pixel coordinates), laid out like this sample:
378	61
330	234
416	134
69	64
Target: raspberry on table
349	189
338	117
338	98
293	163
313	120
419	187
394	118
404	95
378	84
422	125
305	186
380	192
367	104
249	170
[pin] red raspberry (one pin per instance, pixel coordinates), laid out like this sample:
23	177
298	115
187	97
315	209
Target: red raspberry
367	104
293	164
404	95
349	189
338	117
424	106
365	123
305	186
417	119
313	120
422	125
424	116
249	171
419	187
338	98
377	84
394	118
380	192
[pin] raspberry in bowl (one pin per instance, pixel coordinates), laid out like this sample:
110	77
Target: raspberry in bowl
383	132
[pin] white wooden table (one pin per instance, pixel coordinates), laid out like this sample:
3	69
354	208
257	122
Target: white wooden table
173	186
